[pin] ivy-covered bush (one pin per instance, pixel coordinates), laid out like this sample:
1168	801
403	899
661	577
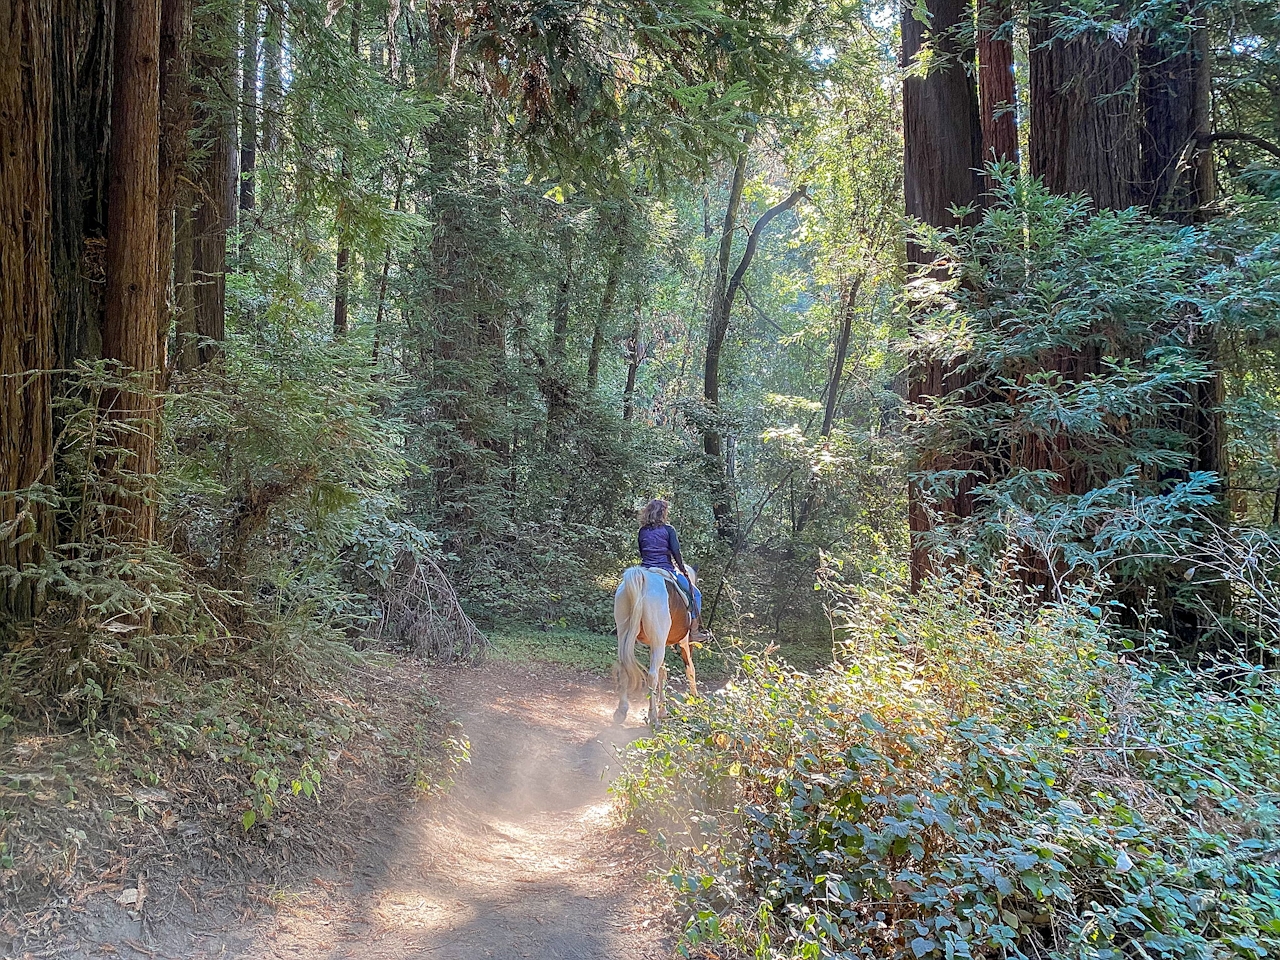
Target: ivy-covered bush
974	778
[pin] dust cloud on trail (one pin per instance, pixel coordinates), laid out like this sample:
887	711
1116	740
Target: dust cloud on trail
521	859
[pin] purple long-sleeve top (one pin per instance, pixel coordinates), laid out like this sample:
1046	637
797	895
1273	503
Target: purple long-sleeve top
659	546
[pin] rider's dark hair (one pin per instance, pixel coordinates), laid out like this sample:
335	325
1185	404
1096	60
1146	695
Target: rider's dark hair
654	513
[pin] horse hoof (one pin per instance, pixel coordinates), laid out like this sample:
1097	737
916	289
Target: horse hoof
620	715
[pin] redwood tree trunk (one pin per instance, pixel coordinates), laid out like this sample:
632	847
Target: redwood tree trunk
941	159
82	42
996	94
131	320
1084	114
1177	172
272	79
27	344
342	264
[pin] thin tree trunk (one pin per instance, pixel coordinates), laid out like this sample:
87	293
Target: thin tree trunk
186	342
272	78
724	292
131	321
248	115
342	265
215	199
941	158
27	343
634	359
554	381
342	289
175	126
386	260
608	298
848	305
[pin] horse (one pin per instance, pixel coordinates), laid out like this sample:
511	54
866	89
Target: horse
648	606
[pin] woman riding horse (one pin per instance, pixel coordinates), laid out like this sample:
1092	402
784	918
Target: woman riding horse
660	550
656	606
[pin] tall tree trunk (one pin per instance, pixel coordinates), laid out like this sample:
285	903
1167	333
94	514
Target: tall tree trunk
27	344
272	78
1177	182
175	127
82	36
341	292
717	329
613	277
131	321
342	265
554	381
724	293
248	114
187	339
848	306
216	194
635	356
996	95
1177	169
1084	114
942	155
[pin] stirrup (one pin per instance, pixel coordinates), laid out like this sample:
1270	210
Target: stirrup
696	635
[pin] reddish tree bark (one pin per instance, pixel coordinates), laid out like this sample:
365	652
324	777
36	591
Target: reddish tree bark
1177	169
342	265
248	109
214	199
1084	114
942	157
996	94
27	344
131	319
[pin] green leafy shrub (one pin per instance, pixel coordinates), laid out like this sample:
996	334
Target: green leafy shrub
219	642
976	777
1084	354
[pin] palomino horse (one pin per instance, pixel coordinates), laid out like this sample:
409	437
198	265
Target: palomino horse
649	607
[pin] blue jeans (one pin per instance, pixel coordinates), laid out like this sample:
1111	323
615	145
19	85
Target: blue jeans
690	589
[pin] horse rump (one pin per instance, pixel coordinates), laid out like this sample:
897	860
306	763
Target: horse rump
628	608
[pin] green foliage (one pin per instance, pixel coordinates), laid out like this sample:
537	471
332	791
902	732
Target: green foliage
977	775
1076	424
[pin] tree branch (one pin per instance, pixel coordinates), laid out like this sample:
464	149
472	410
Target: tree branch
1240	137
753	240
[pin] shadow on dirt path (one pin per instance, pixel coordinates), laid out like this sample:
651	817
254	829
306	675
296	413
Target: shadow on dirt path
521	859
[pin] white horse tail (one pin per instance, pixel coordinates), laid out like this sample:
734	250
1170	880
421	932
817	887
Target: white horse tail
628	609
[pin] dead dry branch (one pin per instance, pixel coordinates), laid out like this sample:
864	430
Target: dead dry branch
421	612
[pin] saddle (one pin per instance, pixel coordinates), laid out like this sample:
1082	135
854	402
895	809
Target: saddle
674	584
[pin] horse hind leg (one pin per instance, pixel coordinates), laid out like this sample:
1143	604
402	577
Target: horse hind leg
686	654
656	676
622	682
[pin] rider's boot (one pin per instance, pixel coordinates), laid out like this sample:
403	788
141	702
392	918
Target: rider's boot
695	627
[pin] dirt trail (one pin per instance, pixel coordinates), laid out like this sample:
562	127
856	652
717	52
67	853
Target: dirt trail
521	859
